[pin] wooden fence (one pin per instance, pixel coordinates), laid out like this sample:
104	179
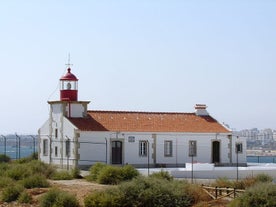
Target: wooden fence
217	193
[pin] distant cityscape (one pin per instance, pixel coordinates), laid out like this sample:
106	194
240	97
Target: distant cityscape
259	142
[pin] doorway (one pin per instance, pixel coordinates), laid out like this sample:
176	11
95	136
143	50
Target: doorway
216	152
116	150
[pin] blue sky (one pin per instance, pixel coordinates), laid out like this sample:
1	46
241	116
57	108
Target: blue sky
144	55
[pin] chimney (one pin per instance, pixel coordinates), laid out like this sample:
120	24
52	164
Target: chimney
200	110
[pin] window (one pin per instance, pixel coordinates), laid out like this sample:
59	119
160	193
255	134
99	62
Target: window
56	151
143	148
192	148
238	147
45	147
56	133
67	148
168	148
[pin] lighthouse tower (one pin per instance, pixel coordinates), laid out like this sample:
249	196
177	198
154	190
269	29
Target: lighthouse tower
68	87
68	106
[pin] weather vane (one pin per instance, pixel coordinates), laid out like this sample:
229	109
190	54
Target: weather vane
68	64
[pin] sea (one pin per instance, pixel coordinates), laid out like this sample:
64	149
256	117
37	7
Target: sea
15	152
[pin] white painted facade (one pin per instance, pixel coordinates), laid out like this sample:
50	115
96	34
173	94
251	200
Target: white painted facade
64	145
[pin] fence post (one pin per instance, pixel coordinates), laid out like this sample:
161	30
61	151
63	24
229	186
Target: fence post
216	193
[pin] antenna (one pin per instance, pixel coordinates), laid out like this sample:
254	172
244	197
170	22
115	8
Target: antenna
69	64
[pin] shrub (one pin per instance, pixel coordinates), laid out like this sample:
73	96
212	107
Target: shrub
143	191
128	172
6	181
4	158
11	193
110	175
162	175
58	198
62	175
25	198
108	198
260	195
156	192
95	170
264	178
75	173
38	167
35	181
18	171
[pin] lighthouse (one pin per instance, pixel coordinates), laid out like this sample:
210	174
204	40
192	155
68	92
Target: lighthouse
68	105
68	87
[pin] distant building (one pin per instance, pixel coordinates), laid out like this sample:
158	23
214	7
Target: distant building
74	136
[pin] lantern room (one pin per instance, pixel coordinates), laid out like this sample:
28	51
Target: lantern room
68	87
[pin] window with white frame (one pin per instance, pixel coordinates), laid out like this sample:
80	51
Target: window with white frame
168	150
192	148
45	147
143	148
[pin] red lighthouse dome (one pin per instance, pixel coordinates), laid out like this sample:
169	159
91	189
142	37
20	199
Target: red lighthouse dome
68	87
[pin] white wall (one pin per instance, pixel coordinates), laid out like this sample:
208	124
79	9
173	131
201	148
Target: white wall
95	146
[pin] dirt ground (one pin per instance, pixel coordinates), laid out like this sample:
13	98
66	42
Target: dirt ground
79	188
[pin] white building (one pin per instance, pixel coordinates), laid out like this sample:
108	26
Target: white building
74	136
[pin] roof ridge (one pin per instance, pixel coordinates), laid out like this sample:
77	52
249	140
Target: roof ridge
144	112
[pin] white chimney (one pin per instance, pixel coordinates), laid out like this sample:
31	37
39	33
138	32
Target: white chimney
200	110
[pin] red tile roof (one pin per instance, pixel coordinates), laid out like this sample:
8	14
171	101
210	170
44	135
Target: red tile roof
125	121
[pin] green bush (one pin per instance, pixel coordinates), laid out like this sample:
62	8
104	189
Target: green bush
6	181
162	175
62	175
110	175
95	170
107	174
18	171
38	167
128	172
24	197
260	195
263	178
75	172
146	192
58	198
35	181
11	193
4	158
107	198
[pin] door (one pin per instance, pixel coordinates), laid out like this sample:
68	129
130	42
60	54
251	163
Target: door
216	152
117	147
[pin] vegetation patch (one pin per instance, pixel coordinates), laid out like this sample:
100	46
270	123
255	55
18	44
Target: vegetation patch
260	195
144	191
58	198
111	175
62	175
35	181
11	193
